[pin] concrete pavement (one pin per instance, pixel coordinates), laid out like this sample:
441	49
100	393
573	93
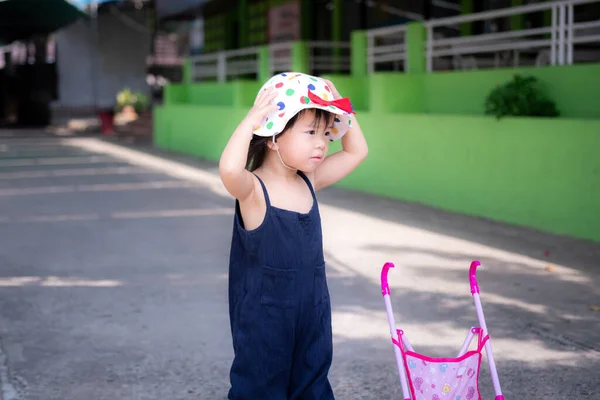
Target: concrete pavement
113	273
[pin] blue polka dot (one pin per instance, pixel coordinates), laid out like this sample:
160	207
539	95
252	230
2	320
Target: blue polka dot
283	74
281	105
311	86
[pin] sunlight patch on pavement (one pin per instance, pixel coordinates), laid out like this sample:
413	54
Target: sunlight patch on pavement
172	213
26	162
379	241
73	172
101	187
56	281
168	167
51	218
169	213
357	324
30	142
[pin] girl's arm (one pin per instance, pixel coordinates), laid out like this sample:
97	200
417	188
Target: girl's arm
238	181
338	165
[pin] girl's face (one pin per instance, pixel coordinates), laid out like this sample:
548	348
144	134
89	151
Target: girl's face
304	146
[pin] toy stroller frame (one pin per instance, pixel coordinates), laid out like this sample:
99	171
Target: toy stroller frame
419	374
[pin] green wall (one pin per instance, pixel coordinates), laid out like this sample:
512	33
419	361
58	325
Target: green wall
430	144
354	88
199	131
234	93
392	92
538	173
575	89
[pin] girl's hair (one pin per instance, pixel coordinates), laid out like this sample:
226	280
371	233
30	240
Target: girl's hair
258	145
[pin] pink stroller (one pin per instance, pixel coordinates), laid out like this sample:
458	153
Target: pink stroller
426	378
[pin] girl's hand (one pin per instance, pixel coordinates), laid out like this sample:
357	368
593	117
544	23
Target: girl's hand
263	105
334	91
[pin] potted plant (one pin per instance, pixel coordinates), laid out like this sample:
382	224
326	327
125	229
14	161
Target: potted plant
131	104
133	117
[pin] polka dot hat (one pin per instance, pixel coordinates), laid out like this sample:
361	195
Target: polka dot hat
295	92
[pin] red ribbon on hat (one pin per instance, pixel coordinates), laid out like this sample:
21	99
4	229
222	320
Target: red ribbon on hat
343	104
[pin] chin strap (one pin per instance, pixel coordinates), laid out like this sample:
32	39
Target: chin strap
281	159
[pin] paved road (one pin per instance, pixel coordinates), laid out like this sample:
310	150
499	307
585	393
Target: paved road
113	279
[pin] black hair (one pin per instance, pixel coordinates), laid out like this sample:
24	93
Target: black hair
257	151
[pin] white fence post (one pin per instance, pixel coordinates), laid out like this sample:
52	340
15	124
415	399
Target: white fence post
221	67
554	34
429	50
561	35
370	56
570	24
393	48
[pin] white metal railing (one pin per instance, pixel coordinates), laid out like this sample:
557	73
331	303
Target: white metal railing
165	60
329	56
224	64
558	39
386	45
322	57
554	44
280	57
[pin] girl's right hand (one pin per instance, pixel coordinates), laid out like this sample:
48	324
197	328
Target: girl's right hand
263	105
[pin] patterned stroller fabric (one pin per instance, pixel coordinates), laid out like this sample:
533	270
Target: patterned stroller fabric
427	378
444	378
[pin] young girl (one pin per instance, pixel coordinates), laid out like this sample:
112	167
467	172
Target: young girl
279	304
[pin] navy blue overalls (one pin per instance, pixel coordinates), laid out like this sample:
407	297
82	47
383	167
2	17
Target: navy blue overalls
279	307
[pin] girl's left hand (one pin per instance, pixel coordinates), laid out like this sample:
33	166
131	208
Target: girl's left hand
334	91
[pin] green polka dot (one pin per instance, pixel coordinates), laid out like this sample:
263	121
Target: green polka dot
289	92
313	79
349	122
269	125
332	107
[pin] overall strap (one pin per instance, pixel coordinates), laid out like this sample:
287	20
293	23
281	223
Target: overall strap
310	186
264	188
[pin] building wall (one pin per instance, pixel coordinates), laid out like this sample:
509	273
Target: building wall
120	56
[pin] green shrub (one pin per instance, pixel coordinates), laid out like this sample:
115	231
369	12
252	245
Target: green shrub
523	97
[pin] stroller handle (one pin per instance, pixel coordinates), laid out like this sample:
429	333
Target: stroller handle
385	288
473	276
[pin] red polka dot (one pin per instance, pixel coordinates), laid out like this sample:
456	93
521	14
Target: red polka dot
280	84
327	88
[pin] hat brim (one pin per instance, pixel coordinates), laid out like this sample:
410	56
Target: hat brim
273	126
